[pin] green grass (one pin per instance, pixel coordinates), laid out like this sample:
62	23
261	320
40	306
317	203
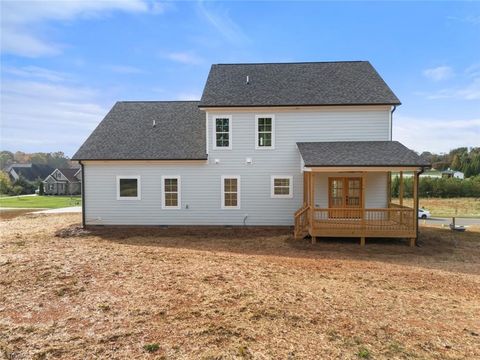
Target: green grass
45	202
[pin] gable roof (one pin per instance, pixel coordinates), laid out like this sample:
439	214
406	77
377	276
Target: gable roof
31	172
127	133
296	84
359	153
69	173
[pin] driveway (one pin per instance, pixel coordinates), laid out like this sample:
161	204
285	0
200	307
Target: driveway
71	209
447	221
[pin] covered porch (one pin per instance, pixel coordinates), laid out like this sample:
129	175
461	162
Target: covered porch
353	197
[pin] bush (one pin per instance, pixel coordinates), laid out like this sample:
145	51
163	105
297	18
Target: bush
26	186
5	184
439	187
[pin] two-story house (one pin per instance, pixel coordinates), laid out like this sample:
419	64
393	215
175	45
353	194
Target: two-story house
65	181
304	144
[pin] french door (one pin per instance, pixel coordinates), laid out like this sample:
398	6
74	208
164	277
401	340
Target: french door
345	193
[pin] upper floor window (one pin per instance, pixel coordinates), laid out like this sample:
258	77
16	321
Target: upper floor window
264	132
128	187
223	132
171	192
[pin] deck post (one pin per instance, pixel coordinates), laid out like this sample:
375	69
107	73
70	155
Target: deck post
415	207
364	213
362	241
311	202
400	194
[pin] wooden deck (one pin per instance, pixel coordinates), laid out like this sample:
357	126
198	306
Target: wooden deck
395	221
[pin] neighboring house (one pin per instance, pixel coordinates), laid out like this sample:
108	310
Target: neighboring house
304	144
449	173
63	182
30	172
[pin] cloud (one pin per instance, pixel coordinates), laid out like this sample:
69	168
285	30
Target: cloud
185	58
33	110
220	19
35	72
470	19
125	69
439	73
430	134
21	21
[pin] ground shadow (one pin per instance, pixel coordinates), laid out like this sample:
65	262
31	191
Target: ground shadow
438	248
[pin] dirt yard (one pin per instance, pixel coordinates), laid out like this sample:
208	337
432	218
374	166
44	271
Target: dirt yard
233	294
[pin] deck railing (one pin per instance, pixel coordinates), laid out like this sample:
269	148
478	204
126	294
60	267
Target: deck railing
394	221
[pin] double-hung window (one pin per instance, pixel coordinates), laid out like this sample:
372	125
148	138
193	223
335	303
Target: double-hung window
128	187
171	192
223	132
281	186
264	132
230	192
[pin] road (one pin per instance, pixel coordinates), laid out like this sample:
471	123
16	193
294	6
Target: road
458	221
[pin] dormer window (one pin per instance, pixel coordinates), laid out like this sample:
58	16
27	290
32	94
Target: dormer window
264	132
223	132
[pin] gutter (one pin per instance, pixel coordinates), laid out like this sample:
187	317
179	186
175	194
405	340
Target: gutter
83	194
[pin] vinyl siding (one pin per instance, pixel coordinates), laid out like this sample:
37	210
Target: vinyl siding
201	182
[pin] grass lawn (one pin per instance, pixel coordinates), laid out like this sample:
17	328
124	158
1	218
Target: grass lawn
46	202
238	293
461	207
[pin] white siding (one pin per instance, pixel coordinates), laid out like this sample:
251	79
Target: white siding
201	182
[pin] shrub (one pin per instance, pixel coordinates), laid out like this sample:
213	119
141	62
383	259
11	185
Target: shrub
151	347
438	187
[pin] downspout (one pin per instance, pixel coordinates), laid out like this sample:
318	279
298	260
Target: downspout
83	194
391	121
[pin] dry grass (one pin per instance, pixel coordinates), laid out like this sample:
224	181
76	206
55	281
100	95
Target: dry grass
233	293
461	207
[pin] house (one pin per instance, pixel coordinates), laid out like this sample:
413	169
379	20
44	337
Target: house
29	172
303	144
63	182
449	173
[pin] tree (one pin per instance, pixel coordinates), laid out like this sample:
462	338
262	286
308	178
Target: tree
41	190
5	183
456	163
6	159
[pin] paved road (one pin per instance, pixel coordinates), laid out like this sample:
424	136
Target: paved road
458	221
71	209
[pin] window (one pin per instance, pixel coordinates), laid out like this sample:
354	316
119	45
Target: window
282	186
128	187
230	192
264	132
50	187
223	132
171	192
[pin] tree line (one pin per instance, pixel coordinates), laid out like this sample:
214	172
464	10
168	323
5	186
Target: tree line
438	187
56	159
461	159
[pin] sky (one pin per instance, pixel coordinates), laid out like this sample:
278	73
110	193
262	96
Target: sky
65	63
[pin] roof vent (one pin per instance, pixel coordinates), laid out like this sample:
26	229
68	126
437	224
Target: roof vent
248	80
154	123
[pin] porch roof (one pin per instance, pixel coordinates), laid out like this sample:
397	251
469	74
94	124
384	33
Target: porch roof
359	153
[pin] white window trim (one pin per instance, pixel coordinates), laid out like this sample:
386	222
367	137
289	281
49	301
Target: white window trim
179	192
238	191
139	187
257	147
272	187
230	138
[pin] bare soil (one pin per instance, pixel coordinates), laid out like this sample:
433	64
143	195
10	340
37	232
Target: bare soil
230	293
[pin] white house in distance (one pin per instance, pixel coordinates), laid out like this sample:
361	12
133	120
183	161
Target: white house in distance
304	144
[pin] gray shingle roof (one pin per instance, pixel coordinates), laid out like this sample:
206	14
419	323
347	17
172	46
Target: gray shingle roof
283	84
69	173
127	132
359	153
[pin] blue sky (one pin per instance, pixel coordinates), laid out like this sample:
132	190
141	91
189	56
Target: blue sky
65	63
